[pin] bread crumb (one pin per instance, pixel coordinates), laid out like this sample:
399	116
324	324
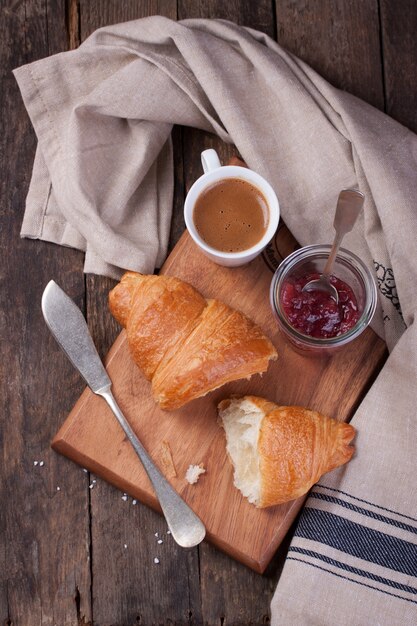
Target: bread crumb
193	473
167	461
156	560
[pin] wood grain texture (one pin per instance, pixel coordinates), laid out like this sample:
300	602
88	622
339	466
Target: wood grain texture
399	47
330	386
177	222
306	29
45	576
339	39
258	15
44	540
221	577
100	13
128	587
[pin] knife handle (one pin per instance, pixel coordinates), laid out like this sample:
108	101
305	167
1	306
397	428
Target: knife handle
186	527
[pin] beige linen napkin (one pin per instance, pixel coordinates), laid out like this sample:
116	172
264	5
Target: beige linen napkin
102	182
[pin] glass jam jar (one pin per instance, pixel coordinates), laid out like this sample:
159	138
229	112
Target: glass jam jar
347	268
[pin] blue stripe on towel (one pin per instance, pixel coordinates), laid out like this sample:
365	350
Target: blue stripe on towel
358	540
367	512
357	582
377	506
354	570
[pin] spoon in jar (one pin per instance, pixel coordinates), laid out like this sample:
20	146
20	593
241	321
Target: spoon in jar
349	205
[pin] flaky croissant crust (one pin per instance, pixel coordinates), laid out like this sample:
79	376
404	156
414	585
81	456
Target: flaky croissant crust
296	447
186	345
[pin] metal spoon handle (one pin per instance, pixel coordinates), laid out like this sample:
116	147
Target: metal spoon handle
349	205
186	527
327	271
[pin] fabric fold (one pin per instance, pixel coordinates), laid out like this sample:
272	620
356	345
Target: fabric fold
353	558
103	182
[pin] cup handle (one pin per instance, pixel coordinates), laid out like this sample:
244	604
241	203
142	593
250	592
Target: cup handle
210	160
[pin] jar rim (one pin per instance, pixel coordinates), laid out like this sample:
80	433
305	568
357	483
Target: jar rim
345	256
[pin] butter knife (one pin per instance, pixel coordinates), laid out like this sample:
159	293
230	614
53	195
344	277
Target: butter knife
68	326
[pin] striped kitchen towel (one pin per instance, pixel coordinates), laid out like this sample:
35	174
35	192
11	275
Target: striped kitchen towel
353	558
103	182
333	536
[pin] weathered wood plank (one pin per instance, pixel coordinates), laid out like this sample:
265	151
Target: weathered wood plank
338	39
399	47
341	41
99	13
231	593
128	587
30	31
325	35
177	223
257	15
45	577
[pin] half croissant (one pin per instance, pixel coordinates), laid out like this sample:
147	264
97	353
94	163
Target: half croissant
279	452
186	345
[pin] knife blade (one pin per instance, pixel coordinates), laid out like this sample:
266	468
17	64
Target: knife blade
68	326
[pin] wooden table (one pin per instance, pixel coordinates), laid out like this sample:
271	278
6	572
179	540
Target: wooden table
72	551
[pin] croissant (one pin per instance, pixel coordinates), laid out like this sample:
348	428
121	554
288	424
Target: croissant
186	345
279	452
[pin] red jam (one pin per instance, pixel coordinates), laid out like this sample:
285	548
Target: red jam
315	313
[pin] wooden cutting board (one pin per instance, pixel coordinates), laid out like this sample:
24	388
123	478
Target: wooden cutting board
91	436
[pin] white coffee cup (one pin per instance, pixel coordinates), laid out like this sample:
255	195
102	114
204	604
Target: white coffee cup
214	171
